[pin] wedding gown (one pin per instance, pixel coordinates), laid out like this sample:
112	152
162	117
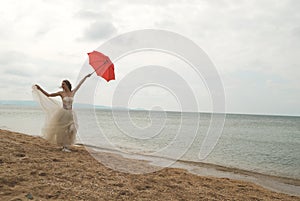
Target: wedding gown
61	122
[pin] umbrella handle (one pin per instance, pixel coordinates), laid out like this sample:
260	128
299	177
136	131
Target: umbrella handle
99	66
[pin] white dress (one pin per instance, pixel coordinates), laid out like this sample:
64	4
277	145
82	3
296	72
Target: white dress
61	122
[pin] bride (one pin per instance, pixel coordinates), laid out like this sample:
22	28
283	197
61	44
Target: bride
61	122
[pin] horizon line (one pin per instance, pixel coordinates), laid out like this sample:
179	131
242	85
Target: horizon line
6	102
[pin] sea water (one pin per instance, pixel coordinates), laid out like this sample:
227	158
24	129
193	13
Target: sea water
258	143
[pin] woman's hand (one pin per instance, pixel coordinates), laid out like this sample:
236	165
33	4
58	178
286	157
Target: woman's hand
38	87
88	75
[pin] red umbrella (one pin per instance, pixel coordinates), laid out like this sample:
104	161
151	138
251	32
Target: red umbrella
102	65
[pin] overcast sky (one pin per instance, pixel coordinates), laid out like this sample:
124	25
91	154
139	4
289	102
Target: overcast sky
254	44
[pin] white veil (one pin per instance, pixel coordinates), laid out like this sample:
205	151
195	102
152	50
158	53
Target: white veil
49	105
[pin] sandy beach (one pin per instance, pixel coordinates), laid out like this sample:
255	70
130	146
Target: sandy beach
33	169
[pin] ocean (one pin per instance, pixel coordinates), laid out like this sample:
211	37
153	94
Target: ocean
258	143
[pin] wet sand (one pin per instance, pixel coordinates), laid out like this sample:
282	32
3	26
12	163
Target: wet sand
31	168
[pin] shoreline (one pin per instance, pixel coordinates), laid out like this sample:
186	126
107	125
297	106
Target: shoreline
280	184
31	167
275	183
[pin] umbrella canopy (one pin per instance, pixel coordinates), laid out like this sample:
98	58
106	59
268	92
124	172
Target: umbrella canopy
102	65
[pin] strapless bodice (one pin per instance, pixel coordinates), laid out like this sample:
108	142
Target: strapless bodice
68	102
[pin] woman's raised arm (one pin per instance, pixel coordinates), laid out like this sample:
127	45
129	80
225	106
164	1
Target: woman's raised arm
81	82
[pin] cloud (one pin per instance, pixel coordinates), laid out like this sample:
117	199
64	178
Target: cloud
296	32
100	24
13	57
257	37
93	15
99	30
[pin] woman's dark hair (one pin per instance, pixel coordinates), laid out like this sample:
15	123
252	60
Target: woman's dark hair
68	84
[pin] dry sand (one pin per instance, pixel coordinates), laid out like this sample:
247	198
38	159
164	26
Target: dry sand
33	169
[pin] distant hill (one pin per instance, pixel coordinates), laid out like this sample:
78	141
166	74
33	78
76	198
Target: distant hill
28	103
19	103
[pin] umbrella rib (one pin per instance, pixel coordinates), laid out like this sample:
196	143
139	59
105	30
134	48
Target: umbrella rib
100	66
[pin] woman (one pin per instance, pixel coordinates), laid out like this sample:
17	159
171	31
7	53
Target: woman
61	123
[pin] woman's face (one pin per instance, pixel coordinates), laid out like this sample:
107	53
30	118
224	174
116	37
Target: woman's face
64	85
